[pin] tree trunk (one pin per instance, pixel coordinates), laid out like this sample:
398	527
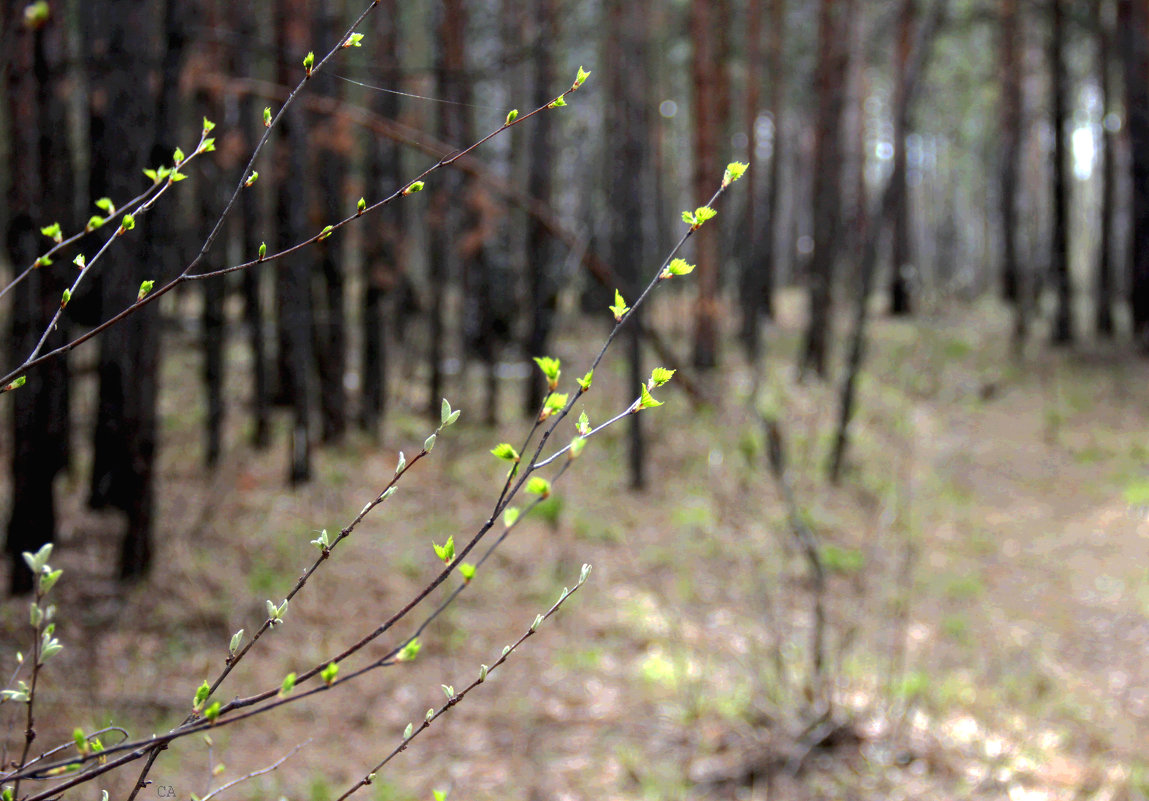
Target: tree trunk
331	154
293	285
542	282
382	238
40	193
902	269
829	82
1011	102
707	124
1063	322
752	266
1104	297
1133	23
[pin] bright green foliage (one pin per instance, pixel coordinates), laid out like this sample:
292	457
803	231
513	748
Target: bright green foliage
446	416
262	250
201	695
326	232
208	146
48	579
38	561
208	125
236	641
577	446
446	551
416	186
558	102
697	217
512	115
448	691
354	40
550	368
212	712
42	261
677	267
510	516
94	222
554	404
537	485
266	116
329	673
506	452
178	156
106	205
251	179
80	740
53	232
646	400
80	261
16	384
467	571
483	673
65	298
275	613
145	288
322	542
429	443
583	423
287	686
410	650
128	223
538	622
734	171
586	380
407	732
619	309
580	78
361	205
176	175
309	62
158	175
440	795
660	376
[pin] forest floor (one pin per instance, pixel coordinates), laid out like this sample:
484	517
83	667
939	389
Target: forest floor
987	600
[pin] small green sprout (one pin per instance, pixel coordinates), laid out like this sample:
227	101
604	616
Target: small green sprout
619	309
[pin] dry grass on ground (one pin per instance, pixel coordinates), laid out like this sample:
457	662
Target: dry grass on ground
988	595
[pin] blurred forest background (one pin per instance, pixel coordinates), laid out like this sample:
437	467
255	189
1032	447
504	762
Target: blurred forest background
886	540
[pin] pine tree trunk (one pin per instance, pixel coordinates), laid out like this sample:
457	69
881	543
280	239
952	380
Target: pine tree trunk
902	268
1063	322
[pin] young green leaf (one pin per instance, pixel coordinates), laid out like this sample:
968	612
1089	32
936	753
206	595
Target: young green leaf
580	78
429	443
584	574
145	288
448	691
94	222
583	423
48	580
578	444
251	179
309	62
208	126
329	673
401	464
439	795
360	205
645	400
446	551
201	695
550	368
267	116
677	267
127	223
538	622
326	232
734	171
506	452
236	641
354	40
287	686
554	404
586	380
407	732
416	186
660	376
410	650
178	156
512	115
80	740
262	250
53	232
558	102
619	309
67	296
483	673
43	261
467	571
207	146
16	384
212	712
80	261
510	515
536	485
106	205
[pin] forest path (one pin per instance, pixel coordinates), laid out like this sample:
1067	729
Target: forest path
1042	523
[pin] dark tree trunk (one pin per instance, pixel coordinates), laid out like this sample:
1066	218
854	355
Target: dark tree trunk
769	229
128	124
707	125
331	155
628	121
1063	322
250	219
383	237
829	80
752	264
1104	297
1010	159
1133	23
40	194
540	184
902	268
293	287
